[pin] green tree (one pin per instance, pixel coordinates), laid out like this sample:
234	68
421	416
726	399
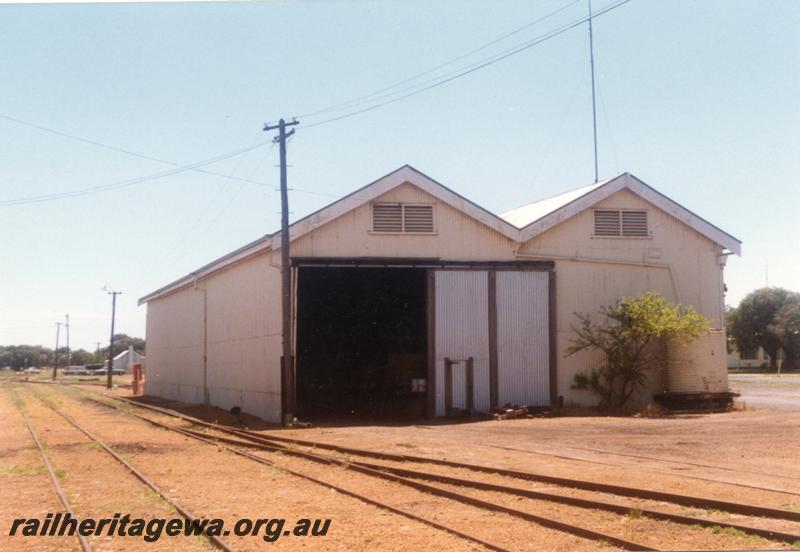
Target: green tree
22	356
121	343
786	325
624	338
82	357
755	323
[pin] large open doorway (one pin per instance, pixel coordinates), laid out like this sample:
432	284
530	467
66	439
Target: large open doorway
361	342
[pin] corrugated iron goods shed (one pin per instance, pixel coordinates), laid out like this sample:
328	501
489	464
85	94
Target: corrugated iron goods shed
409	300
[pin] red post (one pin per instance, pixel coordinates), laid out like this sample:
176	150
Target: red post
136	384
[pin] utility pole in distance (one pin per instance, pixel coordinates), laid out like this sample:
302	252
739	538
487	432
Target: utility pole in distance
97	352
113	295
287	370
69	351
55	352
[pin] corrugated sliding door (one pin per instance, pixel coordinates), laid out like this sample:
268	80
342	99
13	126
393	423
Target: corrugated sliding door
461	331
523	344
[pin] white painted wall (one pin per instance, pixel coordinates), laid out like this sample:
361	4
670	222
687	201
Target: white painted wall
462	331
243	340
675	261
244	337
457	236
243	300
523	338
175	346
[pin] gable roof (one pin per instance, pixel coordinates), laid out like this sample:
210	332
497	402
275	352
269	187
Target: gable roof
519	225
375	189
309	223
522	216
536	218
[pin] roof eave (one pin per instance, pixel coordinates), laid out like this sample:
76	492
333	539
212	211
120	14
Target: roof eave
373	190
252	248
637	186
365	194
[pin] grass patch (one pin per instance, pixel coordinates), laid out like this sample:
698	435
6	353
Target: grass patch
61	474
733	532
635	513
16	471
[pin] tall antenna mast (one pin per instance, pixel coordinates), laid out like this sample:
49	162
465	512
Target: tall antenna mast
594	104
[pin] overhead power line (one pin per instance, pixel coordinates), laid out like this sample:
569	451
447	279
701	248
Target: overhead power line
183	245
196	167
117	148
129	182
469	69
359	99
381	99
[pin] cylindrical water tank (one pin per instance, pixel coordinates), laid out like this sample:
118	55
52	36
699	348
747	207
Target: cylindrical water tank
697	366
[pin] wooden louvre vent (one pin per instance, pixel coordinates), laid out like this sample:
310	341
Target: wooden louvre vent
618	223
606	222
634	223
387	217
402	218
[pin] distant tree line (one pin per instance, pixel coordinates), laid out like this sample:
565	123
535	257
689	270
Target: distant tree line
22	356
768	318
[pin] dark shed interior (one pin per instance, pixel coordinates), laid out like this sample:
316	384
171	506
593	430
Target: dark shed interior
361	341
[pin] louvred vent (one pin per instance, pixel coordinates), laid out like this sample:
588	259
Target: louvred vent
387	217
618	223
402	218
634	223
606	223
417	218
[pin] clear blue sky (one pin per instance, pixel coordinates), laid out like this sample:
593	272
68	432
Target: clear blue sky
701	99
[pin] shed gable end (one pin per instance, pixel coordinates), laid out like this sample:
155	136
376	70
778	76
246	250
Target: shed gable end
411	223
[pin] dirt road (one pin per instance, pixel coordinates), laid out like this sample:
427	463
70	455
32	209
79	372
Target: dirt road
768	391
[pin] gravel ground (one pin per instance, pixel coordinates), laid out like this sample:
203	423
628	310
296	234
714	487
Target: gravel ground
768	391
737	456
27	491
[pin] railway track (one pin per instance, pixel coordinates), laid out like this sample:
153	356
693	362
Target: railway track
574	458
631	492
663	461
386	472
84	544
413	477
219	543
463	535
238	447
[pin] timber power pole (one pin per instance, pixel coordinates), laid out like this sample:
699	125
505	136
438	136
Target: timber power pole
113	295
69	351
287	368
55	352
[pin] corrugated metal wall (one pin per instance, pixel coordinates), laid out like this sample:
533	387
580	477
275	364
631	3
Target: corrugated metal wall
175	346
698	366
462	331
523	352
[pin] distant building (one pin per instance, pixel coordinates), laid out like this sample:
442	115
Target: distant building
750	357
126	359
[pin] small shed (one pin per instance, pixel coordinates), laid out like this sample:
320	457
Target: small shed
409	300
126	359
